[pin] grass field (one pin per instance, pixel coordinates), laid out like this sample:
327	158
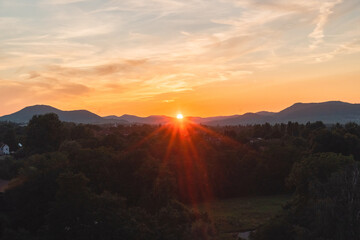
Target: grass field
242	214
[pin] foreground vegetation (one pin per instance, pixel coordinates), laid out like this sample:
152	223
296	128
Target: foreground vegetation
234	215
148	182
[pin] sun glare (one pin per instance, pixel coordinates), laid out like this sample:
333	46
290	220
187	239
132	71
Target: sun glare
179	116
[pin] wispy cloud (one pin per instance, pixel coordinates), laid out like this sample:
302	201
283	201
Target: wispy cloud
81	32
346	48
325	10
139	49
62	2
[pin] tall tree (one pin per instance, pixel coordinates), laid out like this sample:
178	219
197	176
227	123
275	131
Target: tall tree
44	133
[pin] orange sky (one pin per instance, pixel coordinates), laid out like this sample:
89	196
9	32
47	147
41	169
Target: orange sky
201	58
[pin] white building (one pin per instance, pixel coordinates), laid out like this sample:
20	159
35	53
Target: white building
4	149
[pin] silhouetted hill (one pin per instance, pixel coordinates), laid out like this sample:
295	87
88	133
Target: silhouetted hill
245	119
327	112
77	116
265	113
154	119
201	120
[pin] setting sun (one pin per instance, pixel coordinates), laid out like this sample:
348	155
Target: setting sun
179	116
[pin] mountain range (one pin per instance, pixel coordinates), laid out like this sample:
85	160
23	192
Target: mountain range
328	112
77	116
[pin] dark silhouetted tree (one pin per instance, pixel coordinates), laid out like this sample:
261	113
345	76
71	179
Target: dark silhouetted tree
44	133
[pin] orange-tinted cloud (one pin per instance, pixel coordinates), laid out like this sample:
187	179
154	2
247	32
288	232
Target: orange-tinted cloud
161	56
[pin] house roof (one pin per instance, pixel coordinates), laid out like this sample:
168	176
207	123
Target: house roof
2	145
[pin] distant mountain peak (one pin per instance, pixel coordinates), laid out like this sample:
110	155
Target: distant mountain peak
328	112
76	116
320	103
128	115
265	113
44	107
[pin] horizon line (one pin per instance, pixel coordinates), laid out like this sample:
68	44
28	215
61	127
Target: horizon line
187	116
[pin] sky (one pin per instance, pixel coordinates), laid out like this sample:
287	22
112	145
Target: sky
197	57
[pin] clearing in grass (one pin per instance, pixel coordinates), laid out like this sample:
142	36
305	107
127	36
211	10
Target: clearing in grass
242	214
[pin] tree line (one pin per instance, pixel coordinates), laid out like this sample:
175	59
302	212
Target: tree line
75	181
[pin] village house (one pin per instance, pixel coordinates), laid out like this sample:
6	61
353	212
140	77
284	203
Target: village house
4	149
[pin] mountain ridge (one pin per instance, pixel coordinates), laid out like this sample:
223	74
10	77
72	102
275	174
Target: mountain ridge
77	116
329	112
153	119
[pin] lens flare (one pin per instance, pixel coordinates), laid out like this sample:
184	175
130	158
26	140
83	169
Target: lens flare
185	145
179	116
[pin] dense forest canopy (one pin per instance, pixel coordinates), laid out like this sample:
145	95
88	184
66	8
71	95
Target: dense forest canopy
74	181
